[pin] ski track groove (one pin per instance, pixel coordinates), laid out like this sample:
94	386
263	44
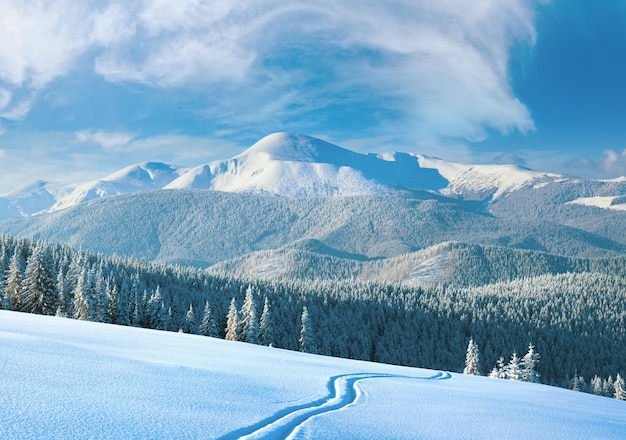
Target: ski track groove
342	392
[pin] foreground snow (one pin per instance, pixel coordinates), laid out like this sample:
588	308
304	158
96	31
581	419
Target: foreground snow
69	379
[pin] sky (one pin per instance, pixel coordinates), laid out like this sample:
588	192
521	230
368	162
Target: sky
87	88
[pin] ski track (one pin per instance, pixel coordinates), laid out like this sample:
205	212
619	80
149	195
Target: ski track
342	392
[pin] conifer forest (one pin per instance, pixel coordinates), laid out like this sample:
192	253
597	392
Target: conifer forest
570	325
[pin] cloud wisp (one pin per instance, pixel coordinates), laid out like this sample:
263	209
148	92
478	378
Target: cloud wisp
612	164
438	69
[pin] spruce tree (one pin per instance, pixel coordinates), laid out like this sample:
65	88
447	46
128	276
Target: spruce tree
578	383
38	291
82	306
62	292
14	278
596	385
498	371
608	387
307	339
189	323
267	325
5	297
620	388
249	324
472	359
512	369
208	326
232	322
528	364
153	308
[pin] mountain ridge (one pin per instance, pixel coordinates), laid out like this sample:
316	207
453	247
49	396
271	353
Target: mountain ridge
291	165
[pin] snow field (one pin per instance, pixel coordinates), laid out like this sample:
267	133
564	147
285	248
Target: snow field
71	379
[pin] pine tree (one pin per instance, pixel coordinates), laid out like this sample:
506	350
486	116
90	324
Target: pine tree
232	322
82	306
578	383
608	387
14	279
163	319
5	297
189	323
620	388
153	308
249	324
38	291
307	339
512	369
472	359
267	325
498	371
208	326
62	292
528	364
596	385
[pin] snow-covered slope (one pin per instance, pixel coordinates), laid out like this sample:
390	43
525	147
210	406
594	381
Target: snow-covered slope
617	203
72	379
141	177
40	197
486	181
30	199
290	165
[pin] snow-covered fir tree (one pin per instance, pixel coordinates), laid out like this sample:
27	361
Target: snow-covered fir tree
189	323
596	385
620	388
498	371
82	306
14	277
307	338
528	365
472	359
608	387
153	308
267	325
38	291
232	322
512	370
249	323
5	297
62	290
578	383
208	327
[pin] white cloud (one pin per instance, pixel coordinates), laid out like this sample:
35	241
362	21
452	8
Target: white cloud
612	164
440	67
444	65
40	40
510	159
109	141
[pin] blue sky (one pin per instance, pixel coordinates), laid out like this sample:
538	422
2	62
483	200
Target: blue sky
89	87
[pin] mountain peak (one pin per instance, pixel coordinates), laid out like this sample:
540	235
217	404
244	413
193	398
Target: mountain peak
282	146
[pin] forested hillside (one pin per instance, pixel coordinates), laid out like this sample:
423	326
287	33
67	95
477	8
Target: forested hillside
576	321
451	263
201	228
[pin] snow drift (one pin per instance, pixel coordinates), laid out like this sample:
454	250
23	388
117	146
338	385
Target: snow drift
72	379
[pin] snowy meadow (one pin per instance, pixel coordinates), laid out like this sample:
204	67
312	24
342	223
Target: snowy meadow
63	378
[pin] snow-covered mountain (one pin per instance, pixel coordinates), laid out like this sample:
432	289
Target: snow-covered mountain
40	197
134	178
288	165
399	203
75	379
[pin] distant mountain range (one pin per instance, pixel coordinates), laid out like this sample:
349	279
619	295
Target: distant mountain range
297	195
287	165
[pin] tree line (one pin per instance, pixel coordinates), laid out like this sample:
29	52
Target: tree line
577	321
